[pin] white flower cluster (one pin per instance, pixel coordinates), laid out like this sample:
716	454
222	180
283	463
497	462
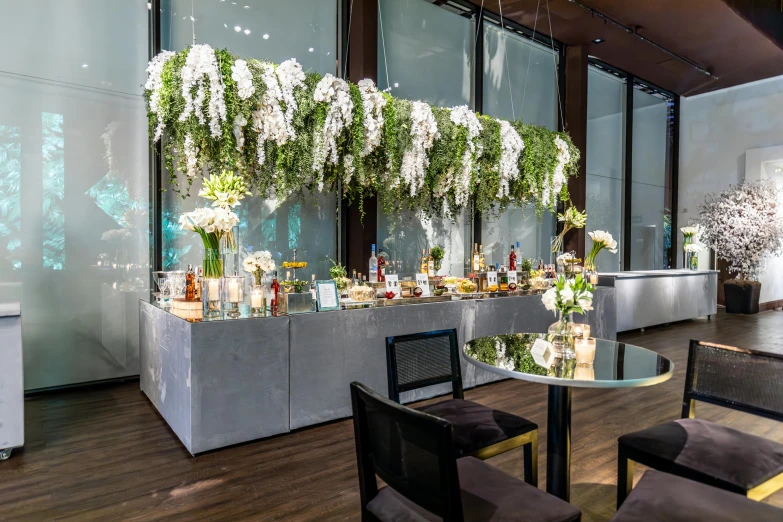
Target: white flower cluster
558	176
191	155
604	239
201	63
111	235
424	132
373	103
692	248
241	74
336	93
511	146
464	117
209	220
154	83
570	296
743	224
692	231
501	360
259	261
290	75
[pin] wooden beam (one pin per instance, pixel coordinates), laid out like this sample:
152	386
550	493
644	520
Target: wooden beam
576	59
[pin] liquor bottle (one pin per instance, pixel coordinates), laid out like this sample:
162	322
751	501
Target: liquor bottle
512	260
353	277
475	257
430	264
198	283
373	266
381	269
313	291
275	291
423	262
482	260
190	284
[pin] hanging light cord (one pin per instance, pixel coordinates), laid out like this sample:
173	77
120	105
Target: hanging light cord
383	44
505	56
348	43
530	55
554	61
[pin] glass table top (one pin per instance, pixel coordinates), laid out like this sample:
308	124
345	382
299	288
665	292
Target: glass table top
616	365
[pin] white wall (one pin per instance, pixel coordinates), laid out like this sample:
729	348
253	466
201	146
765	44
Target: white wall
715	131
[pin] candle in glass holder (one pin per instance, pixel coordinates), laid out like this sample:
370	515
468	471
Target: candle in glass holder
257	299
594	278
233	291
213	288
584	373
585	351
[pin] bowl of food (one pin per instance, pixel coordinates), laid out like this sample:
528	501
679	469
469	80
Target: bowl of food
493	288
466	286
417	291
361	293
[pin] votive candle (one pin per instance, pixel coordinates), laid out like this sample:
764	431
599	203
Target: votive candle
594	279
585	351
233	291
214	289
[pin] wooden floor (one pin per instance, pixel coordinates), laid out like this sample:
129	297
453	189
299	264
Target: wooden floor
103	453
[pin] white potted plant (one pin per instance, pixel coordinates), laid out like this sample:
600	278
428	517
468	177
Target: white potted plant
743	225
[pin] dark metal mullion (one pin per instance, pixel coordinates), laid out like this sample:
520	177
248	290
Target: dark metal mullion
155	186
675	181
343	14
628	174
478	100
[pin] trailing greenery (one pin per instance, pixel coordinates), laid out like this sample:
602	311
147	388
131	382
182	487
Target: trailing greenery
285	166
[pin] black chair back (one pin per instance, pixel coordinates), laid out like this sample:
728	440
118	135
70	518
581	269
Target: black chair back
410	450
744	380
423	359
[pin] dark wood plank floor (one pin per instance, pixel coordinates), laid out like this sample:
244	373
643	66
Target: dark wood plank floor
103	453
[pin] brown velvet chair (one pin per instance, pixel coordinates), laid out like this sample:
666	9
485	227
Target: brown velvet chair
661	497
744	380
423	359
413	452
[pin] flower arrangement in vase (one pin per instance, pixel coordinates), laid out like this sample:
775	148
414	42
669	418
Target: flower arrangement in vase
571	219
566	297
258	264
690	235
601	241
225	191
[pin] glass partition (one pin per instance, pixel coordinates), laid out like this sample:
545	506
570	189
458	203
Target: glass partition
531	70
272	31
605	156
650	185
74	196
427	51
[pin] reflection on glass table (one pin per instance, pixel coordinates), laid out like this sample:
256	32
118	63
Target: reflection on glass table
615	365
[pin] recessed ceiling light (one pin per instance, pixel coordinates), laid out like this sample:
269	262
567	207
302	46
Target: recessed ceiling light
396	84
247	31
266	37
84	66
310	49
598	40
237	28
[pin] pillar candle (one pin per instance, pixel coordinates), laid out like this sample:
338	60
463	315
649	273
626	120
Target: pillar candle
213	289
257	299
585	351
233	291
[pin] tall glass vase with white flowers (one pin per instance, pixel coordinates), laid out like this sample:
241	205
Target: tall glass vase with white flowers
225	191
601	241
258	264
690	235
566	297
571	219
211	224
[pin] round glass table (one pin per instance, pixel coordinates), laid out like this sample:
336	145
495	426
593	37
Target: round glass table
616	365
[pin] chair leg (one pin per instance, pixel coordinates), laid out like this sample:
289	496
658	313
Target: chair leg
531	459
624	477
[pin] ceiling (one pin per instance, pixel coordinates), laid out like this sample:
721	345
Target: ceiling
707	32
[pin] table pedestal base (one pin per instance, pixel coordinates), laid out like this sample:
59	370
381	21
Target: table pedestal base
558	442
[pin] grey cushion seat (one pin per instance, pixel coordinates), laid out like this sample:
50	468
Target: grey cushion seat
709	452
661	497
476	426
487	493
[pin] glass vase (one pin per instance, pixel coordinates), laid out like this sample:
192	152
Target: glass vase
692	260
213	264
229	250
686	240
211	291
258	296
233	294
561	335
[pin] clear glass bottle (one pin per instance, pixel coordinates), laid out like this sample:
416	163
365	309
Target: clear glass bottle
430	264
475	264
423	261
314	291
373	266
199	278
482	260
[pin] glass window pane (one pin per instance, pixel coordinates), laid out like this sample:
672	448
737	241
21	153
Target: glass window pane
418	36
605	145
74	184
272	31
532	70
650	217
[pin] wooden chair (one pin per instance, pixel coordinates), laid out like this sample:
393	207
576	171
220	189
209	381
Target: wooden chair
423	359
744	380
414	454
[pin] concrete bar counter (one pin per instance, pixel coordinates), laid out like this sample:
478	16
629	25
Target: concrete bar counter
224	382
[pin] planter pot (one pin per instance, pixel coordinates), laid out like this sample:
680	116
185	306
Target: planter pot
742	297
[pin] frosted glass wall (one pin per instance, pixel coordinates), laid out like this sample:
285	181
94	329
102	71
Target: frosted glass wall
650	216
532	70
273	31
605	156
427	51
74	184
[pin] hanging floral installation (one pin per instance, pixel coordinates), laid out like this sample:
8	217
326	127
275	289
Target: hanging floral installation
286	132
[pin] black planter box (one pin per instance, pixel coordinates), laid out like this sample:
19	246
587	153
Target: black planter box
742	298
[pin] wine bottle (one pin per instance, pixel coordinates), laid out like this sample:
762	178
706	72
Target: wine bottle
373	266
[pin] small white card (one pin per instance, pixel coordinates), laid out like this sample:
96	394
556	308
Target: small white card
492	278
328	295
512	277
543	353
423	282
393	285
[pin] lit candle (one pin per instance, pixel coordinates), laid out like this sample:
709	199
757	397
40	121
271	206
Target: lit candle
213	289
585	331
594	279
233	291
257	299
585	351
